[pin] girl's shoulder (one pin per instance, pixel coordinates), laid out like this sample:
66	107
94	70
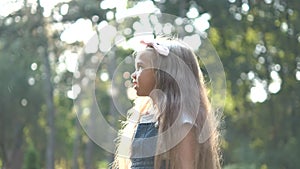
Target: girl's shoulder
147	118
185	118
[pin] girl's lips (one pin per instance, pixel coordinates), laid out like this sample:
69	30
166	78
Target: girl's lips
134	84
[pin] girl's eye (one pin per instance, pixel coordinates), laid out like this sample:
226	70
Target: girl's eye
140	68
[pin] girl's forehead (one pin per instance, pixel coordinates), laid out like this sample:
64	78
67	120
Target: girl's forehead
144	56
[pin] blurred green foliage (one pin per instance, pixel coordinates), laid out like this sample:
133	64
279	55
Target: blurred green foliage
31	158
257	41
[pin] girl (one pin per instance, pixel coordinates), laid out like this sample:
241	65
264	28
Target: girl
174	128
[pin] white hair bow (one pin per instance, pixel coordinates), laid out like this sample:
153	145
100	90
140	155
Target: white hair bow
163	50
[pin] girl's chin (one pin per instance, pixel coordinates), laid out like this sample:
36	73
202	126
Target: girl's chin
139	93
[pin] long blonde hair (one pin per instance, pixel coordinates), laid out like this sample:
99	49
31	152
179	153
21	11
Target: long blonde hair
179	79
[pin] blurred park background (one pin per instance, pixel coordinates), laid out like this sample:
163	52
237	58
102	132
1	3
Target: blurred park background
258	42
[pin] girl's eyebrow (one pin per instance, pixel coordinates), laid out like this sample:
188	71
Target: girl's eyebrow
139	63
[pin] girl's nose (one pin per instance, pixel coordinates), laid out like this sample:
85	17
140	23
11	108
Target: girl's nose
133	75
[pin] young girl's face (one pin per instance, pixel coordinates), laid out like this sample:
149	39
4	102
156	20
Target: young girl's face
143	77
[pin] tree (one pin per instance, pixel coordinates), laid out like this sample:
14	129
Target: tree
31	160
20	84
257	41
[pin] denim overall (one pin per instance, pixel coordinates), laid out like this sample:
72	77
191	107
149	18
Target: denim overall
144	146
